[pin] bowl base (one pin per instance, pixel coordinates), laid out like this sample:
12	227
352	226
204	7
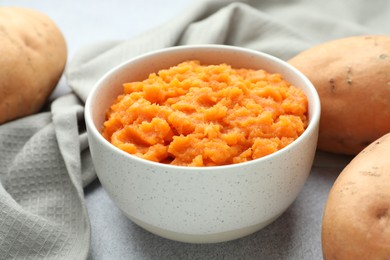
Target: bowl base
203	238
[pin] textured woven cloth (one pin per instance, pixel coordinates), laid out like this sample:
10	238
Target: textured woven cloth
42	211
44	158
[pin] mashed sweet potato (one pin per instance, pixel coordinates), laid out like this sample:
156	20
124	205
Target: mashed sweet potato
206	115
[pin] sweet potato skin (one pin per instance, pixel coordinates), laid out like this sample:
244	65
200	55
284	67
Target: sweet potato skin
356	220
32	60
352	78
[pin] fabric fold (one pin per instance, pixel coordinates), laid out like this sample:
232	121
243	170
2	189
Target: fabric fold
92	62
263	33
42	209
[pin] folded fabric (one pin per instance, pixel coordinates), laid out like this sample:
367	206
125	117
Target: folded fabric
42	209
282	28
44	159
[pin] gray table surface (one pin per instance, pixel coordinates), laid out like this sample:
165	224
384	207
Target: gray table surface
296	233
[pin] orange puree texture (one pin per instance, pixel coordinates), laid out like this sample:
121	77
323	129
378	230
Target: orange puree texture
206	115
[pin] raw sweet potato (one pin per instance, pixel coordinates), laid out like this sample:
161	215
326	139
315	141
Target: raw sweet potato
32	59
356	221
352	77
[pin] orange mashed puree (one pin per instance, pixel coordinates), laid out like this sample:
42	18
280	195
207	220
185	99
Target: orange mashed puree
206	115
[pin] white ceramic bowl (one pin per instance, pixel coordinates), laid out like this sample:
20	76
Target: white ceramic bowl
200	204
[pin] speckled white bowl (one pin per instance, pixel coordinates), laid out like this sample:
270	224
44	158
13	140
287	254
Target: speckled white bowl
204	204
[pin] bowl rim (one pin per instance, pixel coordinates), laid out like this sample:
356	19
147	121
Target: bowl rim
313	123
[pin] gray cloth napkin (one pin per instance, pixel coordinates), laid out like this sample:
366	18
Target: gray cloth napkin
42	209
44	158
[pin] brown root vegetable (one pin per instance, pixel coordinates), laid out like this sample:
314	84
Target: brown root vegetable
356	220
352	78
32	60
